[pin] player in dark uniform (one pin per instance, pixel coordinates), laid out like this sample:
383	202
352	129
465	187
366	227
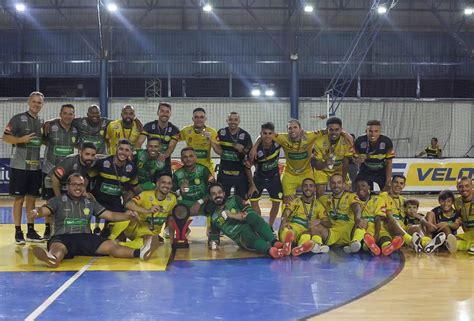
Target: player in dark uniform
163	129
114	177
77	163
233	143
374	154
72	234
23	131
432	151
240	223
92	128
149	165
267	175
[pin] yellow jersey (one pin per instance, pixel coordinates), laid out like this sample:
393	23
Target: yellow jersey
148	199
395	205
301	212
297	154
324	149
467	213
339	210
374	206
200	143
115	132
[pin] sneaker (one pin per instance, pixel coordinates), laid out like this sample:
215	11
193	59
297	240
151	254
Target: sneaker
396	244
471	250
47	235
46	257
276	253
34	237
369	241
354	247
287	242
319	248
213	245
188	231
97	230
278	244
451	243
19	238
416	242
436	242
149	246
304	248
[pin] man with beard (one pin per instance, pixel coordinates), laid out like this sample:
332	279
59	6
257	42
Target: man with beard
232	144
165	131
80	163
24	132
91	129
72	235
240	223
114	176
149	165
128	128
464	204
374	154
333	152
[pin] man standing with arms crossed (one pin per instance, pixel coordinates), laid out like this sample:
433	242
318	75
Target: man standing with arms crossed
24	132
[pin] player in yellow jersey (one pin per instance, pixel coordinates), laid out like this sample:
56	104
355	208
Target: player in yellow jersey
199	136
464	204
374	210
128	127
154	208
295	221
333	153
344	212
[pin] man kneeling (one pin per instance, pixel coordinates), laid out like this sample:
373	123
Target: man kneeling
72	235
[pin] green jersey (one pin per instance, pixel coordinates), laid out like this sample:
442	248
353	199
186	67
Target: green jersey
197	181
230	227
148	170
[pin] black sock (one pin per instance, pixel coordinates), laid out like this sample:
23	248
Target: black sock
31	227
17	228
136	253
47	227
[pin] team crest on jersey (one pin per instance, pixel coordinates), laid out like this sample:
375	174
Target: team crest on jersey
54	128
153	126
24	118
116	126
128	168
260	153
382	145
188	132
363	145
74	167
167	138
107	164
64	198
86	211
150	198
222	132
242	136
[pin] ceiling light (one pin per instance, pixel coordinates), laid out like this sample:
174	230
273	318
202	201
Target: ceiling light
269	93
255	92
382	10
20	7
468	11
112	7
207	7
308	8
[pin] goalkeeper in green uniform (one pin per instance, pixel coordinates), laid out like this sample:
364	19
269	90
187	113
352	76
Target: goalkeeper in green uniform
149	165
240	223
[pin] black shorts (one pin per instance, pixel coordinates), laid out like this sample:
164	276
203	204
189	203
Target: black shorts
46	193
23	182
372	177
83	244
272	185
239	183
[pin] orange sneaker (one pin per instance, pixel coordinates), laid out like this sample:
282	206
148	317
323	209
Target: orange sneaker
278	244
369	240
304	248
396	244
287	242
276	253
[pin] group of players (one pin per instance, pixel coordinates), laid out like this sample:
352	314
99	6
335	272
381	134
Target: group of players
135	190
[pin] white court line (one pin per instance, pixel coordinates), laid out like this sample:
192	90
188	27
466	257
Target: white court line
43	306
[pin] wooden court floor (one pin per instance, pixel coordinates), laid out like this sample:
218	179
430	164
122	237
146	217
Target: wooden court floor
233	284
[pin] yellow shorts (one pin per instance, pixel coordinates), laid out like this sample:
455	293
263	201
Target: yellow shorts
382	233
297	229
321	177
340	235
134	229
291	182
468	236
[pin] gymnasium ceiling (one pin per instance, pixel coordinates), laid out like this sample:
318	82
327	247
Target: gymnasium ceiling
261	15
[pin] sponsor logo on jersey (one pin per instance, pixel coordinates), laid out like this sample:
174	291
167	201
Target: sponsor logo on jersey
128	168
107	164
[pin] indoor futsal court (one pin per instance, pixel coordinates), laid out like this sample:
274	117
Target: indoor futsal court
336	114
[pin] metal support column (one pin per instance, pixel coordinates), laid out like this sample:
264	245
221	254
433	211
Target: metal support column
294	91
37	78
104	97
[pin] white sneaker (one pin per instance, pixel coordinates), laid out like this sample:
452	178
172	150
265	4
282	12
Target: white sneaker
416	242
149	246
471	250
451	243
319	248
354	247
436	242
214	245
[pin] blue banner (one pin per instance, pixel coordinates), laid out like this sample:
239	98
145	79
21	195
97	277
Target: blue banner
4	175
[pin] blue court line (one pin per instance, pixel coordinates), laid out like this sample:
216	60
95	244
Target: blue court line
231	289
